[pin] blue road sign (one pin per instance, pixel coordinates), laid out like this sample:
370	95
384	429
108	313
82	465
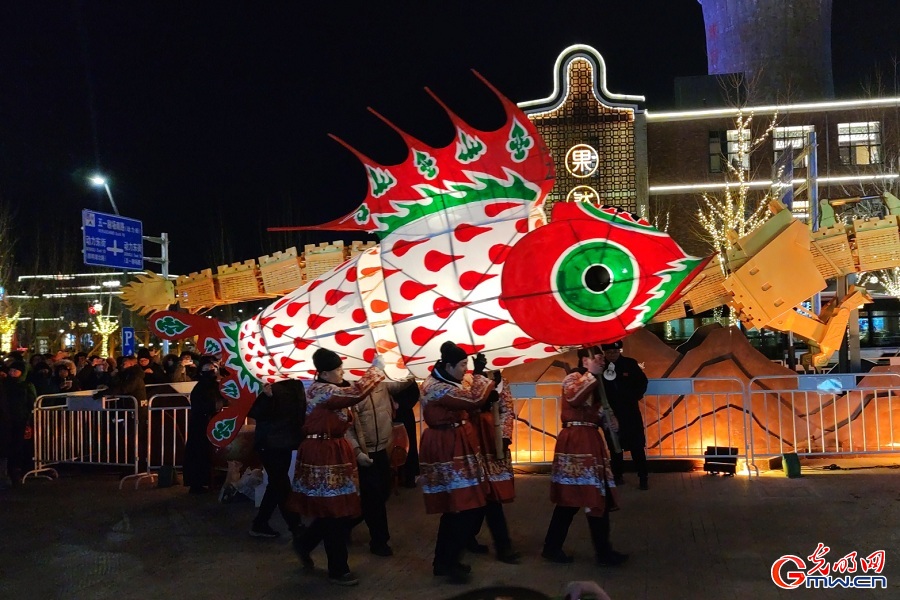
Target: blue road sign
127	341
112	241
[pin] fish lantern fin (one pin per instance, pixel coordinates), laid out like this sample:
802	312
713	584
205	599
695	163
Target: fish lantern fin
432	184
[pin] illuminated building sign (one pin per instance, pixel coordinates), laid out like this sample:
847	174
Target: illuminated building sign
582	161
592	133
584	193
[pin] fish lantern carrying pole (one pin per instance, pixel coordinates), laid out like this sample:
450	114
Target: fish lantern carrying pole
464	256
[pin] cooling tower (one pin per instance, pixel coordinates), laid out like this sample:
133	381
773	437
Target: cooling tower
785	43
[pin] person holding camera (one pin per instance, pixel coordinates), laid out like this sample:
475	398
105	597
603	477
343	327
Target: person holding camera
185	369
454	485
153	371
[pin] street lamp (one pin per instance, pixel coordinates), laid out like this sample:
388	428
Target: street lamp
100	181
163	240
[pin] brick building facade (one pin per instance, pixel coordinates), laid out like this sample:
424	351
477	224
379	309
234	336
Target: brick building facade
671	158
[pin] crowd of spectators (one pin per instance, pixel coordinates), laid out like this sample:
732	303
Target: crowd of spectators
24	378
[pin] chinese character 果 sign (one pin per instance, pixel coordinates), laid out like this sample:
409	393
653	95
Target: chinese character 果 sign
112	241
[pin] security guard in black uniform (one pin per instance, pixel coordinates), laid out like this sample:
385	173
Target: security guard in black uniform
625	385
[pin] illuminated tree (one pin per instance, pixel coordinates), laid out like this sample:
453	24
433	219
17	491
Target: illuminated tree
8	318
6	245
890	279
727	217
7	331
105	326
660	219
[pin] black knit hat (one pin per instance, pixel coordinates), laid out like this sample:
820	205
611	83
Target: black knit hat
143	353
617	345
18	365
326	360
588	352
451	354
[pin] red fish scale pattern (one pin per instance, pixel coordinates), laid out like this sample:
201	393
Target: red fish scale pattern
420	292
453	281
325	313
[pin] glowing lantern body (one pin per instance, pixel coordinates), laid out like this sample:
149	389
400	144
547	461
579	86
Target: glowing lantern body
464	257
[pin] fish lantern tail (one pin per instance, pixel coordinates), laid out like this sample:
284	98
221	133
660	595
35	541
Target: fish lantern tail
218	338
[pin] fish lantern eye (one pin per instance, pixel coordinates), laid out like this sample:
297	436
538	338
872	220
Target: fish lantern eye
596	280
592	276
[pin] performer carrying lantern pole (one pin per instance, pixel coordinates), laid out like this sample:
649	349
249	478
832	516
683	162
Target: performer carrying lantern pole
454	481
581	475
326	480
494	423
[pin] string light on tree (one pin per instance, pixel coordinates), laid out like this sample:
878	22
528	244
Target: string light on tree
7	331
890	279
734	214
105	326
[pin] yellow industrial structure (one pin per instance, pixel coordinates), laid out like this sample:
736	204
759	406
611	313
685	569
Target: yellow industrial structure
770	272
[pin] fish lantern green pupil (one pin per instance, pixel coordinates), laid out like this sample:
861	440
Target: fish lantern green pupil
596	279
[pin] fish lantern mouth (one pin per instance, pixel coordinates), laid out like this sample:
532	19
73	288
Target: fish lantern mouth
584	278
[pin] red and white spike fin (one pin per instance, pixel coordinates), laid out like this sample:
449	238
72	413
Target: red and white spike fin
409	140
404	193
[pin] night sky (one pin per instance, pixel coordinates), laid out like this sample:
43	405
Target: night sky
212	117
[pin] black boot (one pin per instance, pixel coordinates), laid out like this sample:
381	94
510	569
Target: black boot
297	534
508	555
456	573
556	534
606	556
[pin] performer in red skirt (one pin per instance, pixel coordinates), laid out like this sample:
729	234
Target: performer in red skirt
581	475
451	465
325	483
495	437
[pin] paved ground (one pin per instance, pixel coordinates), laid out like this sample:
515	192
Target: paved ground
691	536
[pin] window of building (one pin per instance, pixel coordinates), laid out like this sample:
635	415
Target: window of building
725	146
738	143
791	137
716	151
860	143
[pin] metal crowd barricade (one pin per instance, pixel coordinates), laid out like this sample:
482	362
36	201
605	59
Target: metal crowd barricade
78	428
828	414
537	422
167	423
685	417
682	419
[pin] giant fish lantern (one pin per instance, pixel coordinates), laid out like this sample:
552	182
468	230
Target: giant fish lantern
464	256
